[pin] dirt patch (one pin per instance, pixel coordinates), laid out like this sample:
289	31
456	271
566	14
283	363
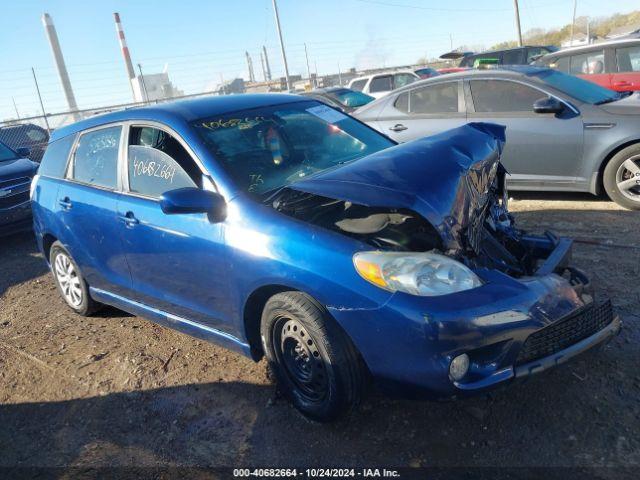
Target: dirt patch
115	389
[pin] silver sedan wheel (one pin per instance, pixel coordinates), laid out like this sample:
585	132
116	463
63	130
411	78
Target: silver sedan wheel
68	280
628	178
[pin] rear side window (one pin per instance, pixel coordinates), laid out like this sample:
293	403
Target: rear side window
96	157
54	161
590	63
513	57
157	163
381	84
439	98
503	96
402	79
628	59
358	85
558	63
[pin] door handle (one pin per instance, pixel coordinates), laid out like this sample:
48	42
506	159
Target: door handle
130	220
398	127
65	203
622	83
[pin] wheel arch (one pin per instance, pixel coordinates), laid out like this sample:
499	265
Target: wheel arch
47	241
252	315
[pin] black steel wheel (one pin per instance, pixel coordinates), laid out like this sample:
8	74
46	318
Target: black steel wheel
297	352
316	365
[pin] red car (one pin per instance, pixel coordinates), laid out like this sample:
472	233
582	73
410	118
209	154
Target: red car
614	64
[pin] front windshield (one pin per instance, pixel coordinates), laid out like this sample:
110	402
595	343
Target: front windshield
267	148
6	153
583	90
350	98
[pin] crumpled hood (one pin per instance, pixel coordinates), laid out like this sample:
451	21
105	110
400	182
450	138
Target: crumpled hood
20	167
445	178
627	106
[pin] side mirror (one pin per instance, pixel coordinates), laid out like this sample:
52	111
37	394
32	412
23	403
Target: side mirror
194	200
23	152
548	105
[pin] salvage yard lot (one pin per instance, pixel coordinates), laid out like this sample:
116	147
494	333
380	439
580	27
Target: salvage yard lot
115	389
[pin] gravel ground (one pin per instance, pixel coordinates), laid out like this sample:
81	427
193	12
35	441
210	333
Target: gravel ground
115	389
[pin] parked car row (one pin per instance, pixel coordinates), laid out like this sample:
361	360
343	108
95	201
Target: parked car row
564	133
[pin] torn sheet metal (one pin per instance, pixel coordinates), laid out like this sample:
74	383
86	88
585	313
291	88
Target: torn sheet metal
446	178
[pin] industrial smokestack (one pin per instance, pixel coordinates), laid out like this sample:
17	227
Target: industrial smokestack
266	62
264	72
125	54
52	36
252	77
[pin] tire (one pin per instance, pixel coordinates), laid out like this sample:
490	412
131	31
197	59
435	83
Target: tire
70	283
624	166
316	366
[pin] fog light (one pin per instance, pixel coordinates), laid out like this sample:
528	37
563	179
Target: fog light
459	367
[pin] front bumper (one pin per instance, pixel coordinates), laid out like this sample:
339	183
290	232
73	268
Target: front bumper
408	343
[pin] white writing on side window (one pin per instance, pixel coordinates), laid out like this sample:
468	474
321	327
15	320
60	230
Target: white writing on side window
153	169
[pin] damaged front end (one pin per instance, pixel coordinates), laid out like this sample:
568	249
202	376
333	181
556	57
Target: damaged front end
445	194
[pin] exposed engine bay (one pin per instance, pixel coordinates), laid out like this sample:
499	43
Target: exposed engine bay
490	240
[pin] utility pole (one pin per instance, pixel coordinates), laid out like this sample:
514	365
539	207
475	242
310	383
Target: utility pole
451	42
588	31
306	55
284	55
339	74
44	114
15	107
517	9
573	21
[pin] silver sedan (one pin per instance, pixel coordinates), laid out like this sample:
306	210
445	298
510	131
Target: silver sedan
563	133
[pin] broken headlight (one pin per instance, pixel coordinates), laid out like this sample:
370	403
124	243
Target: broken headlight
424	274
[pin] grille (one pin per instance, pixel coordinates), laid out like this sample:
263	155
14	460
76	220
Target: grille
565	332
13	200
14	182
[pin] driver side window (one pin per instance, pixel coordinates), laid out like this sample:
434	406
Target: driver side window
157	163
498	96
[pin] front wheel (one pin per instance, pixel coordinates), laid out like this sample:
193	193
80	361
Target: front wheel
316	365
622	177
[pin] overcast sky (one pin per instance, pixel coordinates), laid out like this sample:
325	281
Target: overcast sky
202	41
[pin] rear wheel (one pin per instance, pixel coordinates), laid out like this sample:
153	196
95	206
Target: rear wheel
70	282
622	177
316	365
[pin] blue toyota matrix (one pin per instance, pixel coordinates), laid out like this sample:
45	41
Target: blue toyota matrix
278	226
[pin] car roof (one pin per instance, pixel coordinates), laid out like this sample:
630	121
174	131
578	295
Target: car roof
507	50
182	110
594	46
386	72
506	71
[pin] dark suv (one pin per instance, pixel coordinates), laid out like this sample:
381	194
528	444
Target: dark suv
16	173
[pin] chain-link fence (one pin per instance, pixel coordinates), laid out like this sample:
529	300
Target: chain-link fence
32	133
